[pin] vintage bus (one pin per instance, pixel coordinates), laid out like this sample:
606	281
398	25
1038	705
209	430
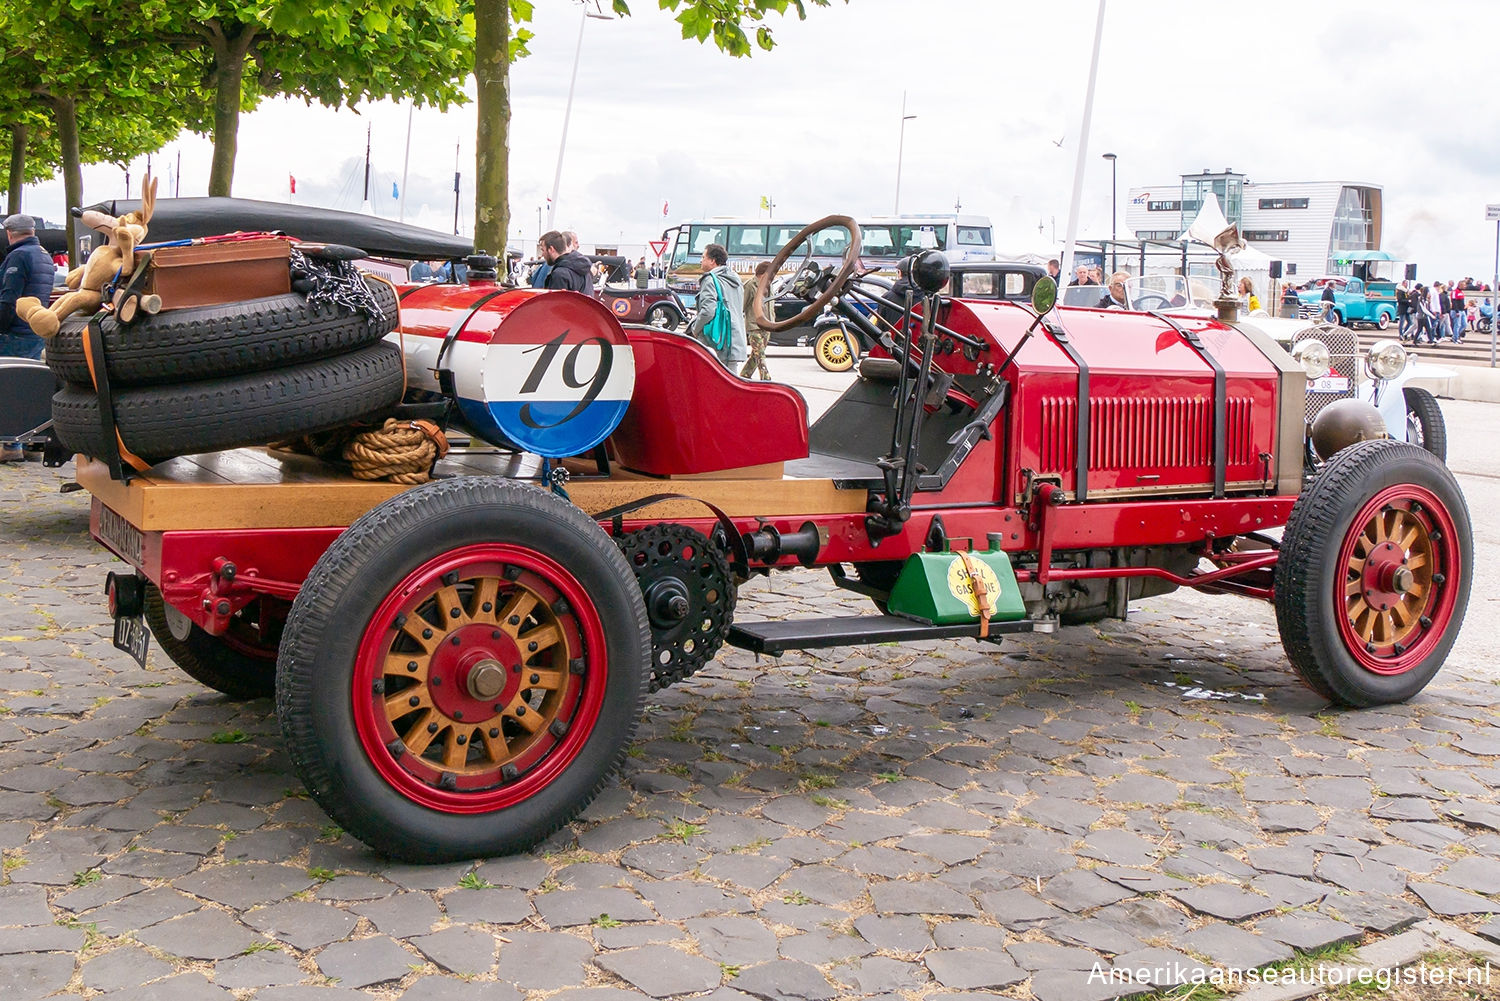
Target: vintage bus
884	239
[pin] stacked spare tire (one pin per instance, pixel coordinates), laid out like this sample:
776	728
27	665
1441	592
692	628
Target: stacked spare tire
203	378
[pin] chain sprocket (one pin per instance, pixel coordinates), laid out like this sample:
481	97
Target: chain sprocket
689	593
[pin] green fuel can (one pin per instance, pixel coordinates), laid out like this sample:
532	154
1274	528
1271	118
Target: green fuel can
938	588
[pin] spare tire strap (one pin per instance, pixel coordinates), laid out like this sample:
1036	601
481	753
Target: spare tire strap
93	354
615	516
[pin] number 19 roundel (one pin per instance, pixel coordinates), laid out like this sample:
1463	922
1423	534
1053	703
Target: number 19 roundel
560	387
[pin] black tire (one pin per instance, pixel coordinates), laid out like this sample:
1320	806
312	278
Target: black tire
159	422
241	670
338	641
210	342
1318	616
1424	418
665	316
881	576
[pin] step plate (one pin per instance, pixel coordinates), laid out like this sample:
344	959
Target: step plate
810	634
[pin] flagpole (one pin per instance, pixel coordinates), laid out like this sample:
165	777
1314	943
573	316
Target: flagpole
1083	145
456	148
406	162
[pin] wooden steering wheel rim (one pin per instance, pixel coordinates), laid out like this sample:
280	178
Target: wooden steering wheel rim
849	264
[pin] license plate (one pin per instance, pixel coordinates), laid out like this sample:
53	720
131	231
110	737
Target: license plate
132	636
1328	384
121	536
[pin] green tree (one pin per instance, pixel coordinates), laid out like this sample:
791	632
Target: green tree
499	28
336	54
100	104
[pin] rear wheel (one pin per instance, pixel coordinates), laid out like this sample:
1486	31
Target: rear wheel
1383	320
241	663
1425	426
1374	574
463	670
834	350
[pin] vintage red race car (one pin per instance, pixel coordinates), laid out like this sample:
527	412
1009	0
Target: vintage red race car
458	666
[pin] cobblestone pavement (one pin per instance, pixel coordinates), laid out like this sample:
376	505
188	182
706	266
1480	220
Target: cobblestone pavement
934	820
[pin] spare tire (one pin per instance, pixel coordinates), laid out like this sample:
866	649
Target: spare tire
209	342
160	422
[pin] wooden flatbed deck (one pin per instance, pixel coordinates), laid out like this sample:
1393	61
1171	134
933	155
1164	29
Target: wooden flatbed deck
252	488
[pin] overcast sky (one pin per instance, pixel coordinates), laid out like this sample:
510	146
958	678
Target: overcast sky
1380	91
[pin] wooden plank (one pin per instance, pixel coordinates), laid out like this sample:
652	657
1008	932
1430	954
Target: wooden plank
250	488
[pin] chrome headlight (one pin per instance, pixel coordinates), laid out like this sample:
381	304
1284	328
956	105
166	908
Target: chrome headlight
1314	357
1386	359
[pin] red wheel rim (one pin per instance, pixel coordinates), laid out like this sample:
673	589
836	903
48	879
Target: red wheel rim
1400	579
479	678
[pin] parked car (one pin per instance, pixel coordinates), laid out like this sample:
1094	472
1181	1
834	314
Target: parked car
1355	301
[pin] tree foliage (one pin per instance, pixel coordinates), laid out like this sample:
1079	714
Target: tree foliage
337	54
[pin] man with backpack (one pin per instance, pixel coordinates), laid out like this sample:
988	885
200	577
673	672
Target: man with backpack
720	320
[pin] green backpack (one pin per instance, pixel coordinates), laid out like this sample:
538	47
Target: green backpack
719	328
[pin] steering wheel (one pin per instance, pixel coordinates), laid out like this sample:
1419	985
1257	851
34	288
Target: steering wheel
806	272
1147	301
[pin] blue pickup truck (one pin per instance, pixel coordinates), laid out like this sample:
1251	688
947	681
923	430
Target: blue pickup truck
1358	301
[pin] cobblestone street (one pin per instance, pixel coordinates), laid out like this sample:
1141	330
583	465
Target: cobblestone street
927	821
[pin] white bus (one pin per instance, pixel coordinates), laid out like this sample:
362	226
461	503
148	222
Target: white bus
883	239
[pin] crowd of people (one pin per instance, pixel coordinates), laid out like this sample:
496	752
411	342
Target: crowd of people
1430	314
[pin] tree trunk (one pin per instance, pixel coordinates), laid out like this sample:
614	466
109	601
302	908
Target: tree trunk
17	178
229	75
492	141
66	112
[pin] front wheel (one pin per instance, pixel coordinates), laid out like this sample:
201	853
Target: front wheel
1374	573
463	670
1383	320
834	350
664	316
1425	426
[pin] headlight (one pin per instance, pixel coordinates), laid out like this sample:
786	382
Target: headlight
1314	358
1386	359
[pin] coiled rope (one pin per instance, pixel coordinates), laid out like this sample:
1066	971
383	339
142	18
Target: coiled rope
398	451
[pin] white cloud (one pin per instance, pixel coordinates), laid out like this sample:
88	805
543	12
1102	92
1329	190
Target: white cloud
1376	91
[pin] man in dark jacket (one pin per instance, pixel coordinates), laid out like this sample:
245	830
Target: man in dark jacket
570	269
27	270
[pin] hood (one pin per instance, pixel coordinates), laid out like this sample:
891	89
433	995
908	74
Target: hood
728	276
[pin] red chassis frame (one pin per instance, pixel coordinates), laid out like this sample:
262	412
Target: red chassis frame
210	575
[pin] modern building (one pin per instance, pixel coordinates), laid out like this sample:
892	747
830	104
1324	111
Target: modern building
1307	225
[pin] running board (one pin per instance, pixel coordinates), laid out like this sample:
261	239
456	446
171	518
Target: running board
777	637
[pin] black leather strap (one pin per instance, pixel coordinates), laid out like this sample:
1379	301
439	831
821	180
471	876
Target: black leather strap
443	375
615	516
1221	402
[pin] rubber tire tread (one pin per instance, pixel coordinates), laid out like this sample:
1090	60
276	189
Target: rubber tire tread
666	309
323	633
1434	428
1315	531
208	659
210	342
160	422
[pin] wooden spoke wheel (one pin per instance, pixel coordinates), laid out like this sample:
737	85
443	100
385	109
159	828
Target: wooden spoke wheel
476	666
1374	574
463	669
834	350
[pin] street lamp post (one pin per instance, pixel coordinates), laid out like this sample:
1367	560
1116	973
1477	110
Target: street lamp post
900	150
562	143
1114	250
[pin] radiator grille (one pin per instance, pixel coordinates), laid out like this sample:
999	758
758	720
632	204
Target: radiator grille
1343	346
1144	433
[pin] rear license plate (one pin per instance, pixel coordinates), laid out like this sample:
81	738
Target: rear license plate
132	636
121	536
1328	384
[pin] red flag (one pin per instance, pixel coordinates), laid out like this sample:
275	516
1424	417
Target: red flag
293	181
663	210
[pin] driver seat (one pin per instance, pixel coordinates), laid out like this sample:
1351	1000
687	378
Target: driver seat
690	416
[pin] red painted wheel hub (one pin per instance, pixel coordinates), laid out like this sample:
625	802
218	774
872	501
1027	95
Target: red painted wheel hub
1399	586
479	678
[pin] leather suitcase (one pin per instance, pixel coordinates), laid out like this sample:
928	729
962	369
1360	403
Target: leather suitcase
214	273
